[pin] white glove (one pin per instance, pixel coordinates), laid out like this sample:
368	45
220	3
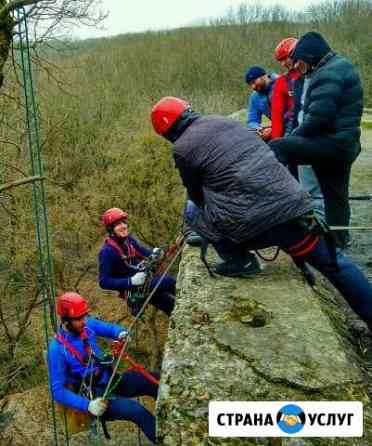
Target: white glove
138	279
123	334
97	407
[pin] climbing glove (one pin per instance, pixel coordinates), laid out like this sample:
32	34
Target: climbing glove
123	335
157	254
138	279
97	407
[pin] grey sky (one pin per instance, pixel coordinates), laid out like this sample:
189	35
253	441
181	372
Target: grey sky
141	15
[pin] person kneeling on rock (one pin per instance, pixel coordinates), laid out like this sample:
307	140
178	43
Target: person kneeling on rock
79	376
248	200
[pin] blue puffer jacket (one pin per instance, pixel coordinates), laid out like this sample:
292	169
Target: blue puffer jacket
65	368
260	104
112	270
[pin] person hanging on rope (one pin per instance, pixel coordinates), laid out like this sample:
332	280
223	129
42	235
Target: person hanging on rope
79	375
122	266
248	200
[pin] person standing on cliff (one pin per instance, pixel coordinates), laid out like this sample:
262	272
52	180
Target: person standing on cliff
248	200
290	89
328	137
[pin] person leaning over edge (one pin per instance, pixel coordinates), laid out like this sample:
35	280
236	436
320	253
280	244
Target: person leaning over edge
248	200
328	137
74	363
119	263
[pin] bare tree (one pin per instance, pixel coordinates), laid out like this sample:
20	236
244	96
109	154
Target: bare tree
49	21
48	18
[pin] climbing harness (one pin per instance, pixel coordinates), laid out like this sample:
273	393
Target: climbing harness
62	340
316	228
304	247
152	266
132	253
116	347
89	389
133	298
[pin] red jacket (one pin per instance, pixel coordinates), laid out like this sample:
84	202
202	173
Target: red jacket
282	103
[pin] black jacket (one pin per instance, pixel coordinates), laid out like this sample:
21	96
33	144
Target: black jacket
236	180
334	100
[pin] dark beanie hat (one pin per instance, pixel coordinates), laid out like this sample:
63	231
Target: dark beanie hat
311	48
253	73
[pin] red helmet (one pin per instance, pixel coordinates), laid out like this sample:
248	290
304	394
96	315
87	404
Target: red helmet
166	112
285	48
113	215
71	305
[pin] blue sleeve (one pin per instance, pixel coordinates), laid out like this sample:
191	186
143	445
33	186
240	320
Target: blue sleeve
254	113
104	329
106	261
140	248
58	378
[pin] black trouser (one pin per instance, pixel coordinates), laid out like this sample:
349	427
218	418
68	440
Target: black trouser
331	165
343	274
163	297
121	407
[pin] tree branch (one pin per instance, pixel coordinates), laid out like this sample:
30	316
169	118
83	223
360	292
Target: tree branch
11	6
12	144
7	186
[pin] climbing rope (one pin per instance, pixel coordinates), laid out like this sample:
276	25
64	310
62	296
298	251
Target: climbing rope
352	198
138	398
351	228
45	265
118	353
136	319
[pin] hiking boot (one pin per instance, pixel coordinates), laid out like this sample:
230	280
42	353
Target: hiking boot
191	237
237	268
